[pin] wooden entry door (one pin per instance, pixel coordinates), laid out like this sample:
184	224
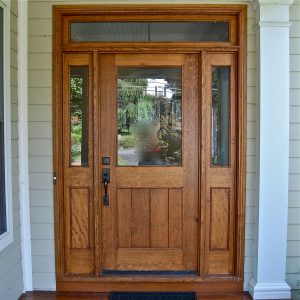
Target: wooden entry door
148	114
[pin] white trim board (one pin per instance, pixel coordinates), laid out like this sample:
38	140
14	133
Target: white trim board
7	237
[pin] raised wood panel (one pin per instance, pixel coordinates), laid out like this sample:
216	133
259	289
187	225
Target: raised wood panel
159	216
140	231
79	233
80	218
219	218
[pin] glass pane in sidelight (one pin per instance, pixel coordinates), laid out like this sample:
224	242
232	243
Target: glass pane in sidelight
79	115
200	31
149	116
220	115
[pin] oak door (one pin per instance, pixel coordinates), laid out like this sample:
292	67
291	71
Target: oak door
149	137
136	118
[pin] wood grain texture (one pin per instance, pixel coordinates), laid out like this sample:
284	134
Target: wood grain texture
79	201
150	259
124	201
140	230
175	218
159	216
219	219
105	296
150	219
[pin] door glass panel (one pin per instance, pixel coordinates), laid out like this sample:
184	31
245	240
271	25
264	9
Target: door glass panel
220	115
79	115
202	31
149	116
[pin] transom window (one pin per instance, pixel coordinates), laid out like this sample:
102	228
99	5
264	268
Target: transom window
200	31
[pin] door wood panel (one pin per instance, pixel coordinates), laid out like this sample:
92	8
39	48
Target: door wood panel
78	201
220	180
156	208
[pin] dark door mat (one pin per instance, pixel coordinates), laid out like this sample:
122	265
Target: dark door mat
152	296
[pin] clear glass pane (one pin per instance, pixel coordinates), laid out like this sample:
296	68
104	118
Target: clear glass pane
220	115
79	115
202	31
149	116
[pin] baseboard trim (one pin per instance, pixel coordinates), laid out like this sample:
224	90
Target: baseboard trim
260	291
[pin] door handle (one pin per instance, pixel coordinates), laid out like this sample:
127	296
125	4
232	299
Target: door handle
105	181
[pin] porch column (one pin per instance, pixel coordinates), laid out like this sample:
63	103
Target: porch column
271	204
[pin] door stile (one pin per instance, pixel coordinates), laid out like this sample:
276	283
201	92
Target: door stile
108	142
96	146
201	243
190	158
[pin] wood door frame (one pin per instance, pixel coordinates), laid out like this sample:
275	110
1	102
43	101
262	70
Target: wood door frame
62	15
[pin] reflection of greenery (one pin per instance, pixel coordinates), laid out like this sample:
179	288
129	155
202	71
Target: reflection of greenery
134	102
122	161
76	137
169	142
127	141
76	118
138	111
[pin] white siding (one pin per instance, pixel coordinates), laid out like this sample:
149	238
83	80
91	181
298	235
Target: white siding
11	281
293	244
40	138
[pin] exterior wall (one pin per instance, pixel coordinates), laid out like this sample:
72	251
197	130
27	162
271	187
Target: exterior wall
293	245
40	138
11	281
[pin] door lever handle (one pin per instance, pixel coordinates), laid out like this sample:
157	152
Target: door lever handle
105	181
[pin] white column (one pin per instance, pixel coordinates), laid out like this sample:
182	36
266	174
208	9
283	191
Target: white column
271	205
23	144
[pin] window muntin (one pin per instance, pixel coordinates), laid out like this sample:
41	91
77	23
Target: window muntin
153	31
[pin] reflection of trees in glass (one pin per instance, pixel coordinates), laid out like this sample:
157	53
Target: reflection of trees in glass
78	110
169	141
220	115
134	103
137	106
76	118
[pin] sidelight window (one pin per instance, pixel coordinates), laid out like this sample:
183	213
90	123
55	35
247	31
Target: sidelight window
79	115
220	115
